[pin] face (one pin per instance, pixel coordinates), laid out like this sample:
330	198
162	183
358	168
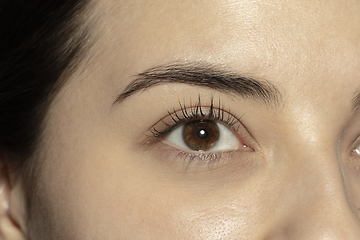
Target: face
242	124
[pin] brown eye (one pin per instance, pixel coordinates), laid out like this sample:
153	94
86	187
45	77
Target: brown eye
204	135
201	135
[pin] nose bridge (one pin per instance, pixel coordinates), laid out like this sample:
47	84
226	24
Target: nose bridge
319	206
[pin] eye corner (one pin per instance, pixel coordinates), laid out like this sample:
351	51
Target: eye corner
355	152
245	148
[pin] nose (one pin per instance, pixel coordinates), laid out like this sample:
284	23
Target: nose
315	204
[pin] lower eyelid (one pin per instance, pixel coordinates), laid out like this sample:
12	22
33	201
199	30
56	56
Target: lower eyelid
203	161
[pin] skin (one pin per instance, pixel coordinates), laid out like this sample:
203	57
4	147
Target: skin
299	178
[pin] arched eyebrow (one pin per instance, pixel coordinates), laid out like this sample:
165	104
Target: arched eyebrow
205	76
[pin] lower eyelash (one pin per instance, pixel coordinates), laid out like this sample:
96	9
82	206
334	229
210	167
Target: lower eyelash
203	158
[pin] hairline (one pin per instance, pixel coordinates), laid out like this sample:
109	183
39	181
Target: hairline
86	19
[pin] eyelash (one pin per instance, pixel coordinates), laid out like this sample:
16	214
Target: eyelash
195	112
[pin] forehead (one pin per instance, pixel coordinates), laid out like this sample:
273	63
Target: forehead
247	35
302	47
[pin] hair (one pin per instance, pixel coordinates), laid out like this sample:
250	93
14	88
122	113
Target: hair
41	44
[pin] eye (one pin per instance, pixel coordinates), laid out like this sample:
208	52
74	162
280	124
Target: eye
204	135
357	150
356	147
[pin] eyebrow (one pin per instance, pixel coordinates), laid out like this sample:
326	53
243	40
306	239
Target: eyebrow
205	76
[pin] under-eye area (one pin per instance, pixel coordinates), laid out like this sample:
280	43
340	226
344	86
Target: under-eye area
201	132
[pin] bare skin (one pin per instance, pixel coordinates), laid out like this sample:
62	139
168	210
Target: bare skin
295	174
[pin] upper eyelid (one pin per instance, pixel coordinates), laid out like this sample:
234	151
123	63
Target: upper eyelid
223	116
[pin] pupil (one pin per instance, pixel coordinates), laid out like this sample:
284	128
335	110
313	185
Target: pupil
202	134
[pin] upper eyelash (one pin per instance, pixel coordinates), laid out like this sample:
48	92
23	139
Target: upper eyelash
194	113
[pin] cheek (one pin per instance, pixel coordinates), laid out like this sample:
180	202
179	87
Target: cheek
102	190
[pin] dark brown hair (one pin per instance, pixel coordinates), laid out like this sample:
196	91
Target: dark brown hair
41	43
